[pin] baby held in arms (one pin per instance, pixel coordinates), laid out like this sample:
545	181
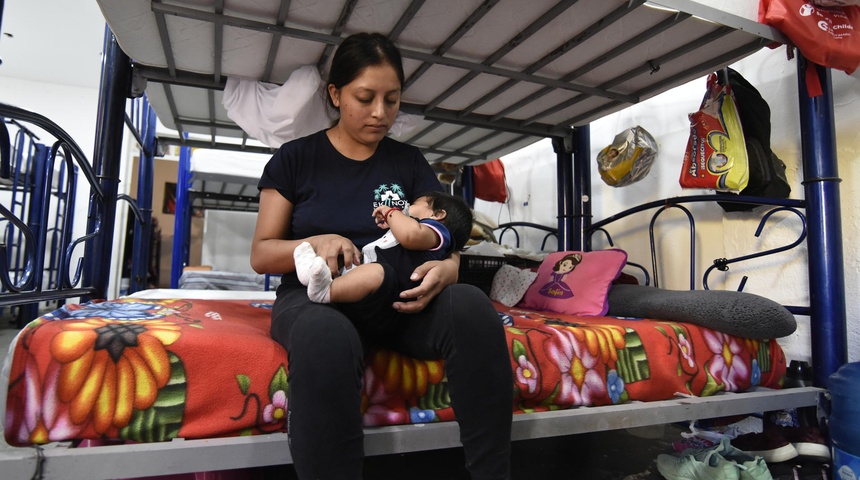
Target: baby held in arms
436	225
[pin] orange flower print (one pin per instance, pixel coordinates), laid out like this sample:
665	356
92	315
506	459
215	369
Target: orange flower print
108	368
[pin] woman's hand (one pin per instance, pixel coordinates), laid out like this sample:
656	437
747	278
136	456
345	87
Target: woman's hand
435	275
336	249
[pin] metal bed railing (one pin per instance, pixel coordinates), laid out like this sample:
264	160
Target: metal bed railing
661	206
23	181
37	250
40	258
141	120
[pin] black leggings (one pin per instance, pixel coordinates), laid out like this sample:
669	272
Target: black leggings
326	363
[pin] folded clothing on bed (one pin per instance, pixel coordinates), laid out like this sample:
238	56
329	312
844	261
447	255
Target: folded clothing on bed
153	370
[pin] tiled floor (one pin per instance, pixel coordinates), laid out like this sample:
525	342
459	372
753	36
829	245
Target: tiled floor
612	455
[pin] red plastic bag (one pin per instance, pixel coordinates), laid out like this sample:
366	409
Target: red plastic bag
827	36
490	182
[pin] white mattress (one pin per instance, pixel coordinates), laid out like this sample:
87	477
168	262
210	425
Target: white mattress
165	293
227	166
226	179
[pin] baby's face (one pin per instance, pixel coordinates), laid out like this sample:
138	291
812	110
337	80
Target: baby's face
420	209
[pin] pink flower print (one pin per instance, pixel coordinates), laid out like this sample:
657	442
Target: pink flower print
726	366
374	388
686	350
47	420
277	410
377	415
580	384
526	373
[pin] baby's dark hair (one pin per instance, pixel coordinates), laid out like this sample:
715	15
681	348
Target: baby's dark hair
458	216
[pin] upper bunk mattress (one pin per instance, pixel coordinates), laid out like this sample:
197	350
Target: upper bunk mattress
487	77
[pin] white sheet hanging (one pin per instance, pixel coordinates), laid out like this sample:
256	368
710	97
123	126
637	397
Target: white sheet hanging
275	114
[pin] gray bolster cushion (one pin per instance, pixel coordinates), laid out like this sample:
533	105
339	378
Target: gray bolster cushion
736	313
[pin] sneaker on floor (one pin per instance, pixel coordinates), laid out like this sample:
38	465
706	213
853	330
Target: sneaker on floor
755	469
711	467
750	467
770	445
692	443
808	441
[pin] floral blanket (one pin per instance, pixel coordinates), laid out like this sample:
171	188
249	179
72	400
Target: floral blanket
153	370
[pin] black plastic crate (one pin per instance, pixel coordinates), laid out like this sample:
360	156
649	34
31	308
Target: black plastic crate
479	270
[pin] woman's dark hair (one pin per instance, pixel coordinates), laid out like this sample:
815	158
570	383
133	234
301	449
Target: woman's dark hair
458	216
359	51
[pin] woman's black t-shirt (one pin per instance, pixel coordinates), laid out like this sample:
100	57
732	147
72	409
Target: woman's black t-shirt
331	193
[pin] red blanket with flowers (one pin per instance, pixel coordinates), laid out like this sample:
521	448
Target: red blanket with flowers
152	370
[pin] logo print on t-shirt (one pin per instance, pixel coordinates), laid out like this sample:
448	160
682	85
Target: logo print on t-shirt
390	195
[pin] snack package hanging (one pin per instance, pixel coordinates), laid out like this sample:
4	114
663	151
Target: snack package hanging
716	155
628	159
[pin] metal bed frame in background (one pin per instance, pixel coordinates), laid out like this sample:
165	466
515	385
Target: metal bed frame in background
26	174
30	234
193	192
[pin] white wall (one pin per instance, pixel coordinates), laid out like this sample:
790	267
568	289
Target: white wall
531	180
227	240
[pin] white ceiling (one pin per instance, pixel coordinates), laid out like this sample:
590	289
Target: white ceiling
56	41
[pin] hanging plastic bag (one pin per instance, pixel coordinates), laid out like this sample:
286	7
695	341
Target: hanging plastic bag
628	159
827	36
490	182
716	155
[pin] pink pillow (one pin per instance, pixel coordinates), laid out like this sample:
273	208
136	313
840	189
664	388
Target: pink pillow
576	283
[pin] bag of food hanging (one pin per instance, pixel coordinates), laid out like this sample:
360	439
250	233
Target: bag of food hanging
716	156
628	159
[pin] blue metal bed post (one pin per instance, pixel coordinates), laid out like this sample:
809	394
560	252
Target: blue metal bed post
145	180
182	218
823	209
468	182
567	240
113	91
36	219
574	189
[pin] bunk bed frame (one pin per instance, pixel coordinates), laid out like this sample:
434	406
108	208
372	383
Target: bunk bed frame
27	175
482	94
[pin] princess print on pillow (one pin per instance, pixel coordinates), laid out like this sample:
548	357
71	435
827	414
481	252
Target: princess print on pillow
556	288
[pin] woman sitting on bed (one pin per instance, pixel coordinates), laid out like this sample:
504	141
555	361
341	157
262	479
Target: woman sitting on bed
318	190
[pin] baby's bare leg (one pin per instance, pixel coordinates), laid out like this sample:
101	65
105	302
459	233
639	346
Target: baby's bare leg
360	282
